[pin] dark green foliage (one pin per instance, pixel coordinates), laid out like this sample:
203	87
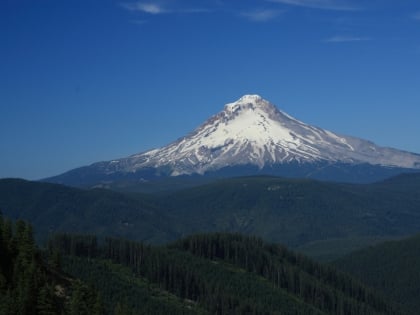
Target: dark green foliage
293	212
55	259
296	212
55	208
46	304
331	249
27	284
21	274
314	283
84	301
392	268
222	274
123	291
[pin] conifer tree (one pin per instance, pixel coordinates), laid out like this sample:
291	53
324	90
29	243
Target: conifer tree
45	301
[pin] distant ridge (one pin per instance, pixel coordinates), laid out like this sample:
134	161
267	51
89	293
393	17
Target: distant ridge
294	212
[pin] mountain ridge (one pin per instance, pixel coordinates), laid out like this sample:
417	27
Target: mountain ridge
294	212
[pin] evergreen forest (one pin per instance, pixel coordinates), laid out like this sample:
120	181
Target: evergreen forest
32	281
214	273
164	253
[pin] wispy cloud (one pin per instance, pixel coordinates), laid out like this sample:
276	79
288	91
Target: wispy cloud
346	38
261	15
149	7
156	8
339	5
416	15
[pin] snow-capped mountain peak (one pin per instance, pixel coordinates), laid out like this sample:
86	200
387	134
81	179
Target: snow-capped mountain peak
252	102
246	101
252	131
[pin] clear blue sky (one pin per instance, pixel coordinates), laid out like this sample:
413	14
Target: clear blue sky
83	81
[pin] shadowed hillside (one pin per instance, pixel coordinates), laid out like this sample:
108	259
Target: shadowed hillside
392	268
314	216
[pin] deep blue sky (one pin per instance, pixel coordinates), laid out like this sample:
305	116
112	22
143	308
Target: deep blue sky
83	80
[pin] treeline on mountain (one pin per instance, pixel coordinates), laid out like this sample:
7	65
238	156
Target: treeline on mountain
33	284
214	274
392	268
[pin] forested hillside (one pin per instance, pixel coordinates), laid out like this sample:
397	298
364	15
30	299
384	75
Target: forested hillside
392	268
298	212
53	208
214	274
32	283
321	218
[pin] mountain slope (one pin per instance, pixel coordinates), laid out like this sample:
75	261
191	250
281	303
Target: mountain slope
224	274
52	208
296	212
392	268
121	288
293	212
33	283
248	132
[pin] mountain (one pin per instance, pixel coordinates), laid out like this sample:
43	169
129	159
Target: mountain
392	268
252	136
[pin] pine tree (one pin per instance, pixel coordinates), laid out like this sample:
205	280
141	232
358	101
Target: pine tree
77	301
45	301
98	306
84	301
122	309
55	259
